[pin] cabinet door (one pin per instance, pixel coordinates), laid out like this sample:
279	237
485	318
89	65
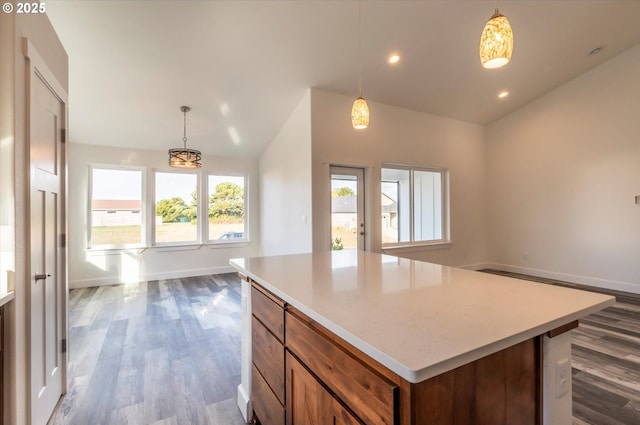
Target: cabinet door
342	416
309	403
306	397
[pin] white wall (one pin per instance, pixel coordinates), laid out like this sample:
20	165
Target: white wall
98	267
402	136
562	174
285	186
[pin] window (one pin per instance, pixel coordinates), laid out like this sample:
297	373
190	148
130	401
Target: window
413	205
176	207
115	205
226	208
128	210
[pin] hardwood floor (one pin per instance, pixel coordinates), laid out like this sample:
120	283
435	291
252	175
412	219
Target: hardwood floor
605	360
163	353
167	353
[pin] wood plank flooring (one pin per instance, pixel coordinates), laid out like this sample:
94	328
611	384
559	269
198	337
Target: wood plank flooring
163	353
605	360
167	353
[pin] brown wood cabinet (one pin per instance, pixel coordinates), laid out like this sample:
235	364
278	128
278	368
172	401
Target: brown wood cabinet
267	352
303	374
309	402
1	365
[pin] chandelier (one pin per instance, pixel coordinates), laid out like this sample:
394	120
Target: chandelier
184	157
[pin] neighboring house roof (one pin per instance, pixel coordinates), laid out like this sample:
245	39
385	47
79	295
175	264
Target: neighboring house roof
344	204
349	204
116	204
392	208
388	204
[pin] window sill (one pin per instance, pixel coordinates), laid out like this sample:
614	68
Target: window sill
137	250
227	244
426	246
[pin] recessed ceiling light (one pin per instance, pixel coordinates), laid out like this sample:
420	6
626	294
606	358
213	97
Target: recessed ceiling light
503	94
394	58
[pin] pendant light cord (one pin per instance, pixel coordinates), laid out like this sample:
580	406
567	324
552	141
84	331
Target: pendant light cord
360	47
184	138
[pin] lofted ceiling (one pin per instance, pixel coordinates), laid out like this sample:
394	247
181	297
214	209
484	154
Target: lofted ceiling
242	66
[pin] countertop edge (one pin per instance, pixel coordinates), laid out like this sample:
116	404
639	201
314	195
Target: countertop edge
6	297
422	374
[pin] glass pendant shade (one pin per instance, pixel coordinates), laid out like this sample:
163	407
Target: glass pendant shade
496	43
360	113
185	158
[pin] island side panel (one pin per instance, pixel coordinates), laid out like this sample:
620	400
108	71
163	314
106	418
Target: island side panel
244	388
557	401
500	389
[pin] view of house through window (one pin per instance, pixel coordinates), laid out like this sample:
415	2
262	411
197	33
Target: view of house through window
176	207
226	207
116	207
412	205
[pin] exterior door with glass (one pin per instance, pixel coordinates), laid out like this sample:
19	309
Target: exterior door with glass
347	208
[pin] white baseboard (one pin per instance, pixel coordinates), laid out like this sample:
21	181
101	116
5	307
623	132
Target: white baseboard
173	274
567	277
244	404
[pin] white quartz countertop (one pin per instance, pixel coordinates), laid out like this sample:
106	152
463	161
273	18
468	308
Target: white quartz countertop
5	297
418	319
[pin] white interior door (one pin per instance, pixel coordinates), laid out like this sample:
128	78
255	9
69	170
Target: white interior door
46	122
347	208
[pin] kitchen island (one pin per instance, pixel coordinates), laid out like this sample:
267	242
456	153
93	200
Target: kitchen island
380	339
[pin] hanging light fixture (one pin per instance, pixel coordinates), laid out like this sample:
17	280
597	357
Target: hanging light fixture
360	109
183	157
496	42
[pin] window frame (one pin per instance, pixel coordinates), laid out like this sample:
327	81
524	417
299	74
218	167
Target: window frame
205	207
143	208
147	210
445	216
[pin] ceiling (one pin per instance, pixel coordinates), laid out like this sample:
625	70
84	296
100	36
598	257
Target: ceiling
243	66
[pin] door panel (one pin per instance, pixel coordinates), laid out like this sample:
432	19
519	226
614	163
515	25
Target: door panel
46	121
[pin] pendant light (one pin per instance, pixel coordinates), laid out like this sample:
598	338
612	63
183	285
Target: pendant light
360	109
496	42
183	157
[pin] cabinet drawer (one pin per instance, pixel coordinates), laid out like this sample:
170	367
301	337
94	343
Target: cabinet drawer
369	395
266	406
269	309
268	357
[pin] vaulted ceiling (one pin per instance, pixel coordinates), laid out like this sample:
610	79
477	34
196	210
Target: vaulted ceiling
242	66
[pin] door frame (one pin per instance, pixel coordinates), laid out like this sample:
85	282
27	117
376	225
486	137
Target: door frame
35	64
364	243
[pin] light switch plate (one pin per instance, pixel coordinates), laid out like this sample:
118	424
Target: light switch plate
637	199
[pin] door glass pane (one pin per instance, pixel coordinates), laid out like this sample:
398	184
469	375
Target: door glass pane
116	207
176	207
226	208
344	212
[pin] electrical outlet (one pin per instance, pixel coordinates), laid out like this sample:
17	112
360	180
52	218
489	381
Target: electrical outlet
563	377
